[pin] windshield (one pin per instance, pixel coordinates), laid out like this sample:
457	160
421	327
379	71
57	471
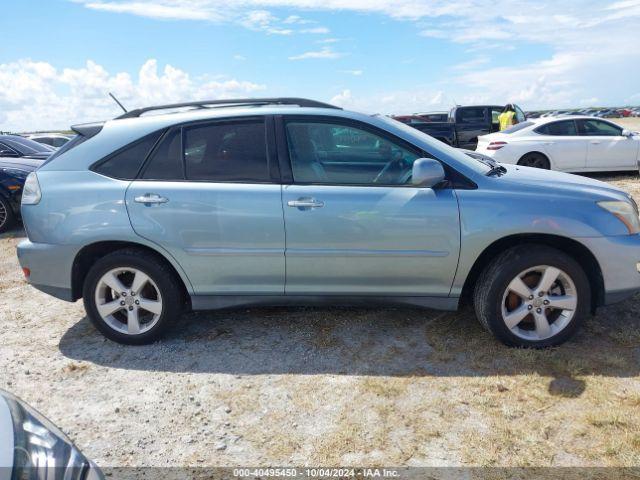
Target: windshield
477	164
26	146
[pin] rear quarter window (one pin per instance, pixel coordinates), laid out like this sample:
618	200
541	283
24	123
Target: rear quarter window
125	163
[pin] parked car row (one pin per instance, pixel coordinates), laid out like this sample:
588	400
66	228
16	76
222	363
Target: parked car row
188	210
594	112
55	140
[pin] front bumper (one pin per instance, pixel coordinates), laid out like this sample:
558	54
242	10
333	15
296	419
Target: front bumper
50	267
619	259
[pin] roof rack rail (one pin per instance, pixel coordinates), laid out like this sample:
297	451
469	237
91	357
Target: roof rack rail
301	102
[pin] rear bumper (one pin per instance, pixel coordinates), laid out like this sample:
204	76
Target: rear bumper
50	267
619	259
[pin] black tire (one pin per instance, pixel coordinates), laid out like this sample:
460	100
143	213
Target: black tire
535	160
7	216
493	282
157	270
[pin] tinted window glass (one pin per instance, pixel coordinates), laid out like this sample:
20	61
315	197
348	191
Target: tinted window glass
4	146
599	128
126	163
59	141
565	128
26	146
166	161
471	115
226	152
339	154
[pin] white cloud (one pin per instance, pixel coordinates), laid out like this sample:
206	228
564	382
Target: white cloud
36	95
355	73
162	10
316	30
324	53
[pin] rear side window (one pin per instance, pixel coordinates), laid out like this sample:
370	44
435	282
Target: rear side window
226	152
565	128
471	115
166	161
125	163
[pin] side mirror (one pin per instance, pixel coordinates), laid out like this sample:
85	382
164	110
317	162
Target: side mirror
427	172
627	133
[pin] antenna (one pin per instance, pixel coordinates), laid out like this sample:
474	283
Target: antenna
116	100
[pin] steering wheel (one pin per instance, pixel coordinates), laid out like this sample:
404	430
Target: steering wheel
396	163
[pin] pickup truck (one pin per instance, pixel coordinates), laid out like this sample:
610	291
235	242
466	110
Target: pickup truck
464	125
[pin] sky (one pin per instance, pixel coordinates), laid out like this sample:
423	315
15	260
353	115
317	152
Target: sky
60	58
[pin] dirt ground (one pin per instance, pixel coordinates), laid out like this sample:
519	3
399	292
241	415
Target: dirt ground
330	387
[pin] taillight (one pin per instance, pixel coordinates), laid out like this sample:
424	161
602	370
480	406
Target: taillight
496	145
31	194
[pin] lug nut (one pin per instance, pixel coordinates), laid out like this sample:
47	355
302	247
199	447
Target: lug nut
541	294
133	294
530	297
122	303
546	302
530	307
124	294
539	310
137	302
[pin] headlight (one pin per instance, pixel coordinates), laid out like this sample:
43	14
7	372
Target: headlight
31	194
41	450
625	212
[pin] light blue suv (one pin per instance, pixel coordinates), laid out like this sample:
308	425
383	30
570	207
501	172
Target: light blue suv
290	201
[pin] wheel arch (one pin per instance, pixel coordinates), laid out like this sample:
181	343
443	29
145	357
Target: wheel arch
531	152
570	247
89	254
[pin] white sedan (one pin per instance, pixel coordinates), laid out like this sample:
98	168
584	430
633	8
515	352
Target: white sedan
571	144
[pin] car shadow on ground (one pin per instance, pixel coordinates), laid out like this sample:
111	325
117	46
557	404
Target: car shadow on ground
361	341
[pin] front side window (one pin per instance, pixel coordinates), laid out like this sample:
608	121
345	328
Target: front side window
233	152
330	153
599	128
564	128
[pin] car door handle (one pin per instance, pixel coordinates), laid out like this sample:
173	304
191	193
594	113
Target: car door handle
305	202
151	198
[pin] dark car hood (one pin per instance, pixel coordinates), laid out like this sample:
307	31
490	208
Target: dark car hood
23	163
552	182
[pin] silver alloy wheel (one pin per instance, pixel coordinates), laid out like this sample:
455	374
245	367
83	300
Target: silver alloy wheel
128	300
3	214
539	303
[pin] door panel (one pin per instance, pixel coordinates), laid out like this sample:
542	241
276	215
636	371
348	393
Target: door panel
471	122
607	147
611	152
228	237
370	240
566	152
